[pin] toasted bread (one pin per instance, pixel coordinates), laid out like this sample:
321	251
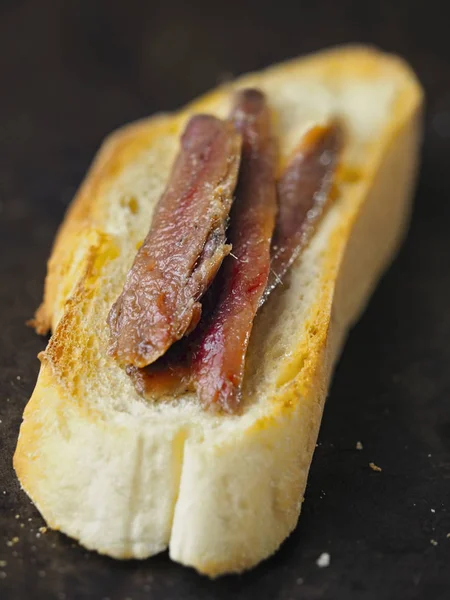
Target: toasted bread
129	477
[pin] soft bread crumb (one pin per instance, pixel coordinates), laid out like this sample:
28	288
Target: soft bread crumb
323	560
359	446
375	467
433	542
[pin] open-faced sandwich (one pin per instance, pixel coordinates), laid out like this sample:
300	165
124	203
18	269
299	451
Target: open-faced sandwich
199	293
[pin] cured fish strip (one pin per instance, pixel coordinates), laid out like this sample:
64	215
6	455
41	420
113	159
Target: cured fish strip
219	355
304	190
184	248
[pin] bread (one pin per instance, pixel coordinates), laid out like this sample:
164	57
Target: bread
131	478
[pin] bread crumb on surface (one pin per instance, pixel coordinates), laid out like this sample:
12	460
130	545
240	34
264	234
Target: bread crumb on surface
359	446
433	542
323	560
12	542
375	467
3	563
432	510
2	575
43	529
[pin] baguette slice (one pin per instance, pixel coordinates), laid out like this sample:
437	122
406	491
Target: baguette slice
130	478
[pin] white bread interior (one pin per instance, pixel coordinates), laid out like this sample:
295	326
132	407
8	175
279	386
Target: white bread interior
130	478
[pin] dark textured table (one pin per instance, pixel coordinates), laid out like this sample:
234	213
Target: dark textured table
72	71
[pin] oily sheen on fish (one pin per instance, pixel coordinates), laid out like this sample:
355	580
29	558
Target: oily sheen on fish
219	355
184	248
304	190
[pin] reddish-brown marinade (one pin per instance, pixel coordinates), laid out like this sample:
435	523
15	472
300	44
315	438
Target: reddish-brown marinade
219	352
184	248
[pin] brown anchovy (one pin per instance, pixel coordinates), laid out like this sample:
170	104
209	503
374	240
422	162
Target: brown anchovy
184	248
304	190
219	355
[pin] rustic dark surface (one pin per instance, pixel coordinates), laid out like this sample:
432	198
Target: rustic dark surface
73	71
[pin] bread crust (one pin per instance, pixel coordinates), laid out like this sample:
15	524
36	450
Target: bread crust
130	479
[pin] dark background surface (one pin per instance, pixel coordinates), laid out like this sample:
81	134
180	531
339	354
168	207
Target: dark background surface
70	72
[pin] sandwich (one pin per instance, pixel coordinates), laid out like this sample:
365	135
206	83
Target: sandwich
199	293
